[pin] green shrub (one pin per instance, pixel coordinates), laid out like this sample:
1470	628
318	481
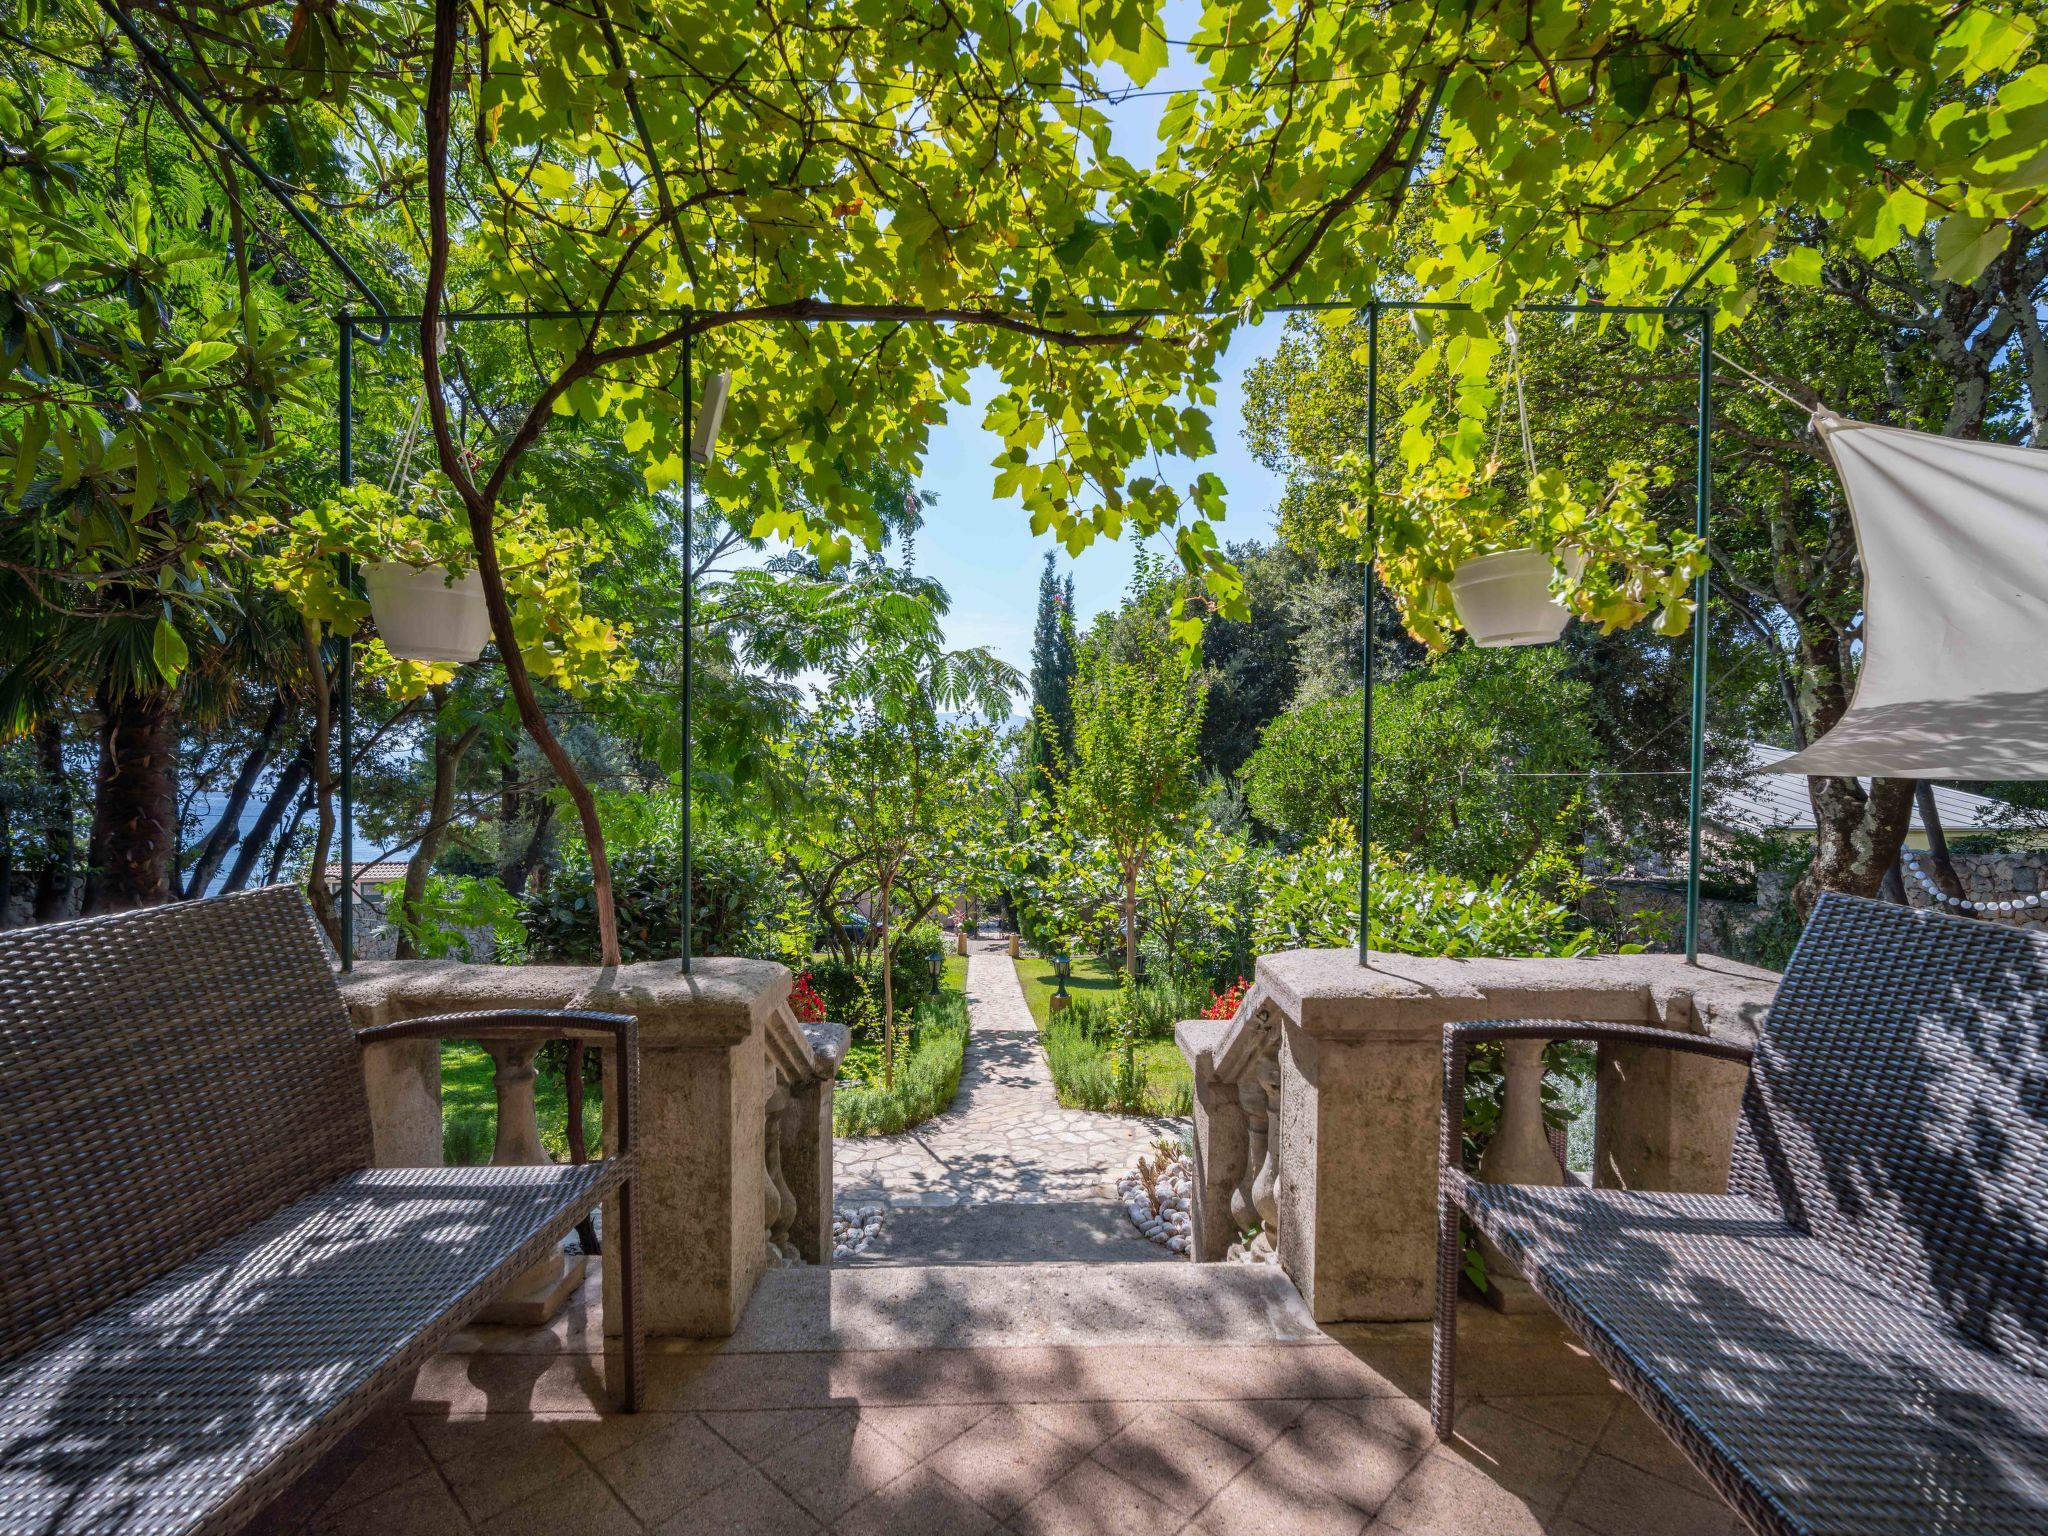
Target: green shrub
740	903
840	983
927	1075
1117	1054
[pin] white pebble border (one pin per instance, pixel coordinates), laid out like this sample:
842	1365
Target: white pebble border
1958	902
853	1228
1171	1223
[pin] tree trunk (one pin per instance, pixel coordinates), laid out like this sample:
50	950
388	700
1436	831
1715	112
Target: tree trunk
317	895
448	757
60	835
228	830
1857	837
481	503
1131	922
888	988
134	822
285	837
1945	874
515	869
275	809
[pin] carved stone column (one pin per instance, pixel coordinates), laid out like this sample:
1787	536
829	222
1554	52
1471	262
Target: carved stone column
1519	1153
1256	1202
539	1294
807	1143
1219	1141
778	1202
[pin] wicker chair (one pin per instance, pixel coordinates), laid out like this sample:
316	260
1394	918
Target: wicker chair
1854	1339
203	1282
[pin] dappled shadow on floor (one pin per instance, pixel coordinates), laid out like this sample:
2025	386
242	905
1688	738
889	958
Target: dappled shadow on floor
1326	1433
1061	1232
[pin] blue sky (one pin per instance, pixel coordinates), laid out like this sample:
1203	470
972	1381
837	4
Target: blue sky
983	550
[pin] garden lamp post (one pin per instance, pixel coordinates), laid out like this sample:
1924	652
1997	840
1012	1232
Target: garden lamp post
937	961
1062	968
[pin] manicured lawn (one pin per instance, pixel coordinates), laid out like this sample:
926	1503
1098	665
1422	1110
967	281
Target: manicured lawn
1084	1059
1093	978
469	1106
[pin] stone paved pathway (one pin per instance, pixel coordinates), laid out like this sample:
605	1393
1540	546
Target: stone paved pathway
1005	1174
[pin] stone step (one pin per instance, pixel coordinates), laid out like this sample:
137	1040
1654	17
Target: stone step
960	1306
1053	1232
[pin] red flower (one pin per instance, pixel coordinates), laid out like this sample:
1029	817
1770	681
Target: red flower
1223	1005
804	1000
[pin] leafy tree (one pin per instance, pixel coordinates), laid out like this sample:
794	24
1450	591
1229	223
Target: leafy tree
1050	735
1309	900
641	160
1137	723
1476	762
904	796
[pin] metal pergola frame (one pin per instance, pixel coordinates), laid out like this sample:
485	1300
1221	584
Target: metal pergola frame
348	322
1701	316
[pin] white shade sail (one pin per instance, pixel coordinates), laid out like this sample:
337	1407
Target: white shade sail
1953	537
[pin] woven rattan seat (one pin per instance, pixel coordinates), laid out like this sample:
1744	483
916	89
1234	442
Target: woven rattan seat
140	1418
1855	1338
203	1283
1770	1343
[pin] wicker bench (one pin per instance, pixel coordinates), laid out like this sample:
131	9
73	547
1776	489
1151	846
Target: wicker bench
1855	1338
203	1282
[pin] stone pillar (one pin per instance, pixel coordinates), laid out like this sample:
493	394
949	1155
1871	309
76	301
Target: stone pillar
403	1080
1358	1171
807	1145
538	1294
1519	1153
1016	948
1361	1085
1219	1142
1664	1121
705	1042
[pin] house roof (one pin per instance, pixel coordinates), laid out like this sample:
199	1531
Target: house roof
382	872
1778	802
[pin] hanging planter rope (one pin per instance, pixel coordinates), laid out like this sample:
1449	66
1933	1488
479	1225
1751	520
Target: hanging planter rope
424	613
1504	598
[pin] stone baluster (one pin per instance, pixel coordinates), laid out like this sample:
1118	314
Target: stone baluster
539	1294
778	1200
1519	1153
1255	1202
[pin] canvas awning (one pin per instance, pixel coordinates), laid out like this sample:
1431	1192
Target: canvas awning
1953	537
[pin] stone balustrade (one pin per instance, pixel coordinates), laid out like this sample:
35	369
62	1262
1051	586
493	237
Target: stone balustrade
734	1139
1317	1105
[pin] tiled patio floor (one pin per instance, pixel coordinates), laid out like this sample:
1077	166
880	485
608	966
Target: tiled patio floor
1144	1424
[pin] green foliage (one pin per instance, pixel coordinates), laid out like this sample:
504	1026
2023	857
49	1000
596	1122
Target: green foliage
469	1105
1050	738
453	907
1137	725
1475	759
739	903
1309	900
1117	1054
927	1076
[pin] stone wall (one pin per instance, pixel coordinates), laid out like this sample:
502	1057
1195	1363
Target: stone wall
2012	875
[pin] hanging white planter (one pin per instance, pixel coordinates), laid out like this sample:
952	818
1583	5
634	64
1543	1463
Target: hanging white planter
1505	599
422	616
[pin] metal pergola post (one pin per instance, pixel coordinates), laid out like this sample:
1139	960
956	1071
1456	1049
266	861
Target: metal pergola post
1702	586
689	628
1373	307
345	657
1703	467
